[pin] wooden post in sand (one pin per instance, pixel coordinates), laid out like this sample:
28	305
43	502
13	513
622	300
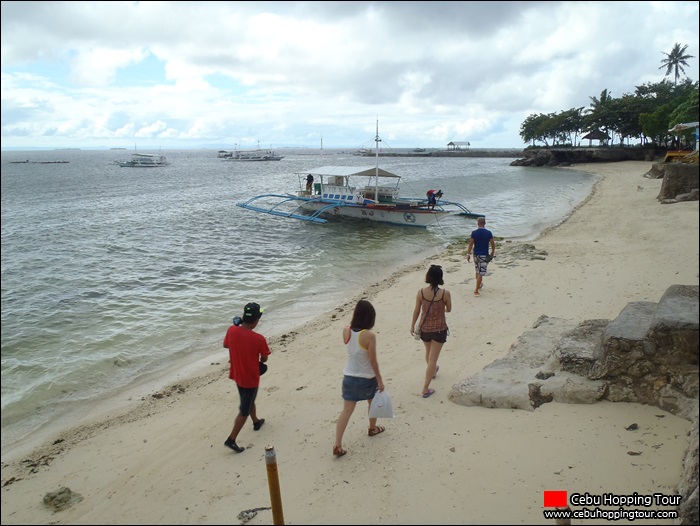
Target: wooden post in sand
274	485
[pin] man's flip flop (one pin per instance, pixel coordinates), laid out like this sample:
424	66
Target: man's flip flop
430	393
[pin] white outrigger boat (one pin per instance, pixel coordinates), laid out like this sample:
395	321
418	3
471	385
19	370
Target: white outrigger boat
336	193
144	160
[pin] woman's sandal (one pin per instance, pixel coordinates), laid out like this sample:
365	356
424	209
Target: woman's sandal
338	451
376	430
429	393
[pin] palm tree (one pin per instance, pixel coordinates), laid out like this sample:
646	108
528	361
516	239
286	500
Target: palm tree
597	116
674	61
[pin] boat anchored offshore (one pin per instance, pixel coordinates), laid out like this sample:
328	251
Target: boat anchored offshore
250	155
144	160
364	192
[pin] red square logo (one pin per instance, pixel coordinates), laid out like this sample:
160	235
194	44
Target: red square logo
555	499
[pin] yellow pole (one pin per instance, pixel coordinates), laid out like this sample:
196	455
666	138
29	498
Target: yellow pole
274	485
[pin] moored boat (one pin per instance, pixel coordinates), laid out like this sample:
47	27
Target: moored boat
365	192
144	160
254	155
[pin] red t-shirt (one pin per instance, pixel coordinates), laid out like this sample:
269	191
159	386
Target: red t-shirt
245	347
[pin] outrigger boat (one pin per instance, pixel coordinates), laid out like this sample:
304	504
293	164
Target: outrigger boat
144	160
335	193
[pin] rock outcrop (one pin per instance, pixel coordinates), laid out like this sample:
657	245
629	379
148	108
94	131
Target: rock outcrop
568	156
680	181
648	355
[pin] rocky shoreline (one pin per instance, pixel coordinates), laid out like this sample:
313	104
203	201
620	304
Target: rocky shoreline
474	152
569	156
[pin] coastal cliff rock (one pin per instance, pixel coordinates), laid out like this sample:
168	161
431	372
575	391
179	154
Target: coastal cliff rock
688	487
680	181
648	355
568	156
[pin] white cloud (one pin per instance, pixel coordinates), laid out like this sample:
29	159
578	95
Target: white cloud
186	74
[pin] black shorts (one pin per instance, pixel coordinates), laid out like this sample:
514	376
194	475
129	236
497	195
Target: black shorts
439	336
248	395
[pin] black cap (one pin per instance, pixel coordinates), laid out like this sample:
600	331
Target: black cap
251	313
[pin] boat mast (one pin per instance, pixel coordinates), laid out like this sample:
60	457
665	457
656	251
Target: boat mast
376	169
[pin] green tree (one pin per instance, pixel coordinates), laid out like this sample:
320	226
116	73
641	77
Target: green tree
674	61
599	115
534	128
687	108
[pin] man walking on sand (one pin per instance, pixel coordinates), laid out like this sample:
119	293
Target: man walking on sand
246	349
480	241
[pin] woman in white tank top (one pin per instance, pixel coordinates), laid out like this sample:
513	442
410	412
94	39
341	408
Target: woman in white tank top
361	376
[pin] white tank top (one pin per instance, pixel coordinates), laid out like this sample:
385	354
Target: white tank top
358	360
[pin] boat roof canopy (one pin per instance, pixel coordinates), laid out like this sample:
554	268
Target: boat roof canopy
684	126
349	170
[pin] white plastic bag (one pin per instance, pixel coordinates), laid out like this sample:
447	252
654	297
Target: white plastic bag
381	406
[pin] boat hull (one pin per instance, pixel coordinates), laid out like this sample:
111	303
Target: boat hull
127	164
413	217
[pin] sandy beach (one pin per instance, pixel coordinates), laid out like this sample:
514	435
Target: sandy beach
161	460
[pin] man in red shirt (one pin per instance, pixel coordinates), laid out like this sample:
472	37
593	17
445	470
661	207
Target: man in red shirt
246	349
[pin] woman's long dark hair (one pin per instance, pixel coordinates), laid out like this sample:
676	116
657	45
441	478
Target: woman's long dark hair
434	277
364	316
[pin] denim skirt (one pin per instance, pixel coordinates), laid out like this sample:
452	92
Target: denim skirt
356	389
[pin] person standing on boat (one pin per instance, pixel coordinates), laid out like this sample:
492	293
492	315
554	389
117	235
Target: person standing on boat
433	197
480	241
309	184
432	303
361	376
246	349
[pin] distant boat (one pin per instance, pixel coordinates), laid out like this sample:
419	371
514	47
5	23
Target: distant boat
251	155
144	160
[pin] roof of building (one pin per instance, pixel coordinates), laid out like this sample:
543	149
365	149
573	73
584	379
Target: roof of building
596	135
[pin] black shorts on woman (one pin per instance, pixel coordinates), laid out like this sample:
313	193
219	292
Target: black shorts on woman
439	336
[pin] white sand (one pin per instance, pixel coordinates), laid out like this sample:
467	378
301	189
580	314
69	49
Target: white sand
163	461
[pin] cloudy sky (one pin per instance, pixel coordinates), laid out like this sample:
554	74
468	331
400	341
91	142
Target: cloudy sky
219	74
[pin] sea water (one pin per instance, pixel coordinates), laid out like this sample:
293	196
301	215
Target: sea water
113	276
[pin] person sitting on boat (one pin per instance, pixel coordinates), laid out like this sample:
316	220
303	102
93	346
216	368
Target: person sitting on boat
309	183
433	197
